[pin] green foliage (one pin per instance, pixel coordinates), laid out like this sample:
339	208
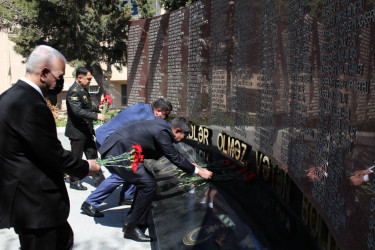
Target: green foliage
145	8
85	31
108	116
171	5
12	12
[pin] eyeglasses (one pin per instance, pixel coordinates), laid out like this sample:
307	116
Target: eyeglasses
56	78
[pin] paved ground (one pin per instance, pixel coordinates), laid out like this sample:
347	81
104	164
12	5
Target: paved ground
89	233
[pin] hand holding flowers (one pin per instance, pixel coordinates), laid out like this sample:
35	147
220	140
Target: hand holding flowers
135	156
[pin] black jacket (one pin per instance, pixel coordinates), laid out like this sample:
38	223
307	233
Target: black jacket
32	162
81	113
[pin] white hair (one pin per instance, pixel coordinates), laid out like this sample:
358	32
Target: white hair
42	55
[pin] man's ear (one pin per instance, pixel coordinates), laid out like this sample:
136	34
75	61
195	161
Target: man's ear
157	112
43	75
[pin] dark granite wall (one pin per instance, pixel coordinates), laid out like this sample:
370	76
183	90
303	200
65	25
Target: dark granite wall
292	80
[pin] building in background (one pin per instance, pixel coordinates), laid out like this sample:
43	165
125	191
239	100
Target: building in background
13	67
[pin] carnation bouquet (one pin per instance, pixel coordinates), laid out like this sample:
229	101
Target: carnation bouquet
135	156
106	102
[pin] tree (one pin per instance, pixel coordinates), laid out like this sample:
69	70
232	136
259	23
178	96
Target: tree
88	32
11	11
171	5
145	8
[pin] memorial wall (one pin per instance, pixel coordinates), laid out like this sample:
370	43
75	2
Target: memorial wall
291	80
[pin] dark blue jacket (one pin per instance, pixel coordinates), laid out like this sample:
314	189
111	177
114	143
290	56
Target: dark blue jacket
134	113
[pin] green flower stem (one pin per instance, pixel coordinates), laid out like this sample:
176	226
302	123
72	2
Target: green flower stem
112	161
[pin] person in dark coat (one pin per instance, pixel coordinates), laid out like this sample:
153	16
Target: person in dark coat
33	197
156	138
79	128
137	112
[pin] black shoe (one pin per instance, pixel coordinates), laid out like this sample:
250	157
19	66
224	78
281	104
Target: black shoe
98	178
125	202
91	210
134	233
77	185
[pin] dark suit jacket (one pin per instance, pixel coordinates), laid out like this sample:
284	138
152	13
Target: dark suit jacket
32	162
81	113
156	139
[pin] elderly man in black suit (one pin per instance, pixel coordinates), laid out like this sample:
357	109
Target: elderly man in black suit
33	196
79	128
156	137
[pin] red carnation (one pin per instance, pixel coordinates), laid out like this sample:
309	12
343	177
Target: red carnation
137	157
107	99
137	148
134	167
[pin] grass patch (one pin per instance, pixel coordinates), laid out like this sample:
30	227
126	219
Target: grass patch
60	123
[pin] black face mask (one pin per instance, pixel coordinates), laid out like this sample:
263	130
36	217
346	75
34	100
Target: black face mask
58	87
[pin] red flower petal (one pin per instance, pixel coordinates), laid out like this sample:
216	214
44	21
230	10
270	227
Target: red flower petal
136	159
107	99
134	167
137	148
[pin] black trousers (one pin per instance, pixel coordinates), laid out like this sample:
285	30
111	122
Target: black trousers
88	147
144	195
51	238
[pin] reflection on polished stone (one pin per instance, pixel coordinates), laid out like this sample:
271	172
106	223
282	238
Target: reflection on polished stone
293	81
216	215
201	219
